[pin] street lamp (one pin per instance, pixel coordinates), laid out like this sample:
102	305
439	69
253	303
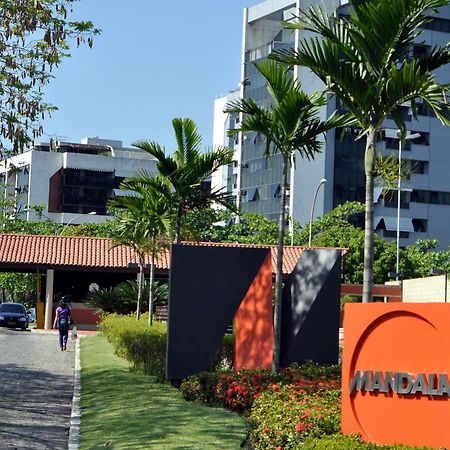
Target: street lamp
92	213
322	181
401	139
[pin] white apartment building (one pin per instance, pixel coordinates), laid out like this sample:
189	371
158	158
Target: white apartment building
425	198
72	181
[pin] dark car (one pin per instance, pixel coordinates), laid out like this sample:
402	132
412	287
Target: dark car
13	315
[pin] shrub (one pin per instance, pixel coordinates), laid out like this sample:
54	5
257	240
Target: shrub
223	359
285	416
238	390
142	346
339	442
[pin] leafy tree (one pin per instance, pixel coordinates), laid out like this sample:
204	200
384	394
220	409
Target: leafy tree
34	38
18	286
186	170
364	60
290	125
144	225
344	214
420	260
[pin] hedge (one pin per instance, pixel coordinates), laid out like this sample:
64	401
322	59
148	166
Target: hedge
144	347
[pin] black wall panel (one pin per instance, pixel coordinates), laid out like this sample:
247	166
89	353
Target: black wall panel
311	309
207	285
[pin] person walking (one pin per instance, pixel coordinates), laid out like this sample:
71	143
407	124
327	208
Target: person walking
63	319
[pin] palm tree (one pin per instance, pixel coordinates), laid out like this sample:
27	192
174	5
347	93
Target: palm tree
186	169
290	125
363	59
144	226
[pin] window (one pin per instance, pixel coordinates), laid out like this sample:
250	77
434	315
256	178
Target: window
276	191
432	197
437	24
420	225
424	138
418	167
252	194
393	234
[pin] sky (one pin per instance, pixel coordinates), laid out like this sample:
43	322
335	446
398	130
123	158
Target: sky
153	61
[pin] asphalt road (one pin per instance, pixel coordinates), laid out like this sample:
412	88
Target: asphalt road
36	386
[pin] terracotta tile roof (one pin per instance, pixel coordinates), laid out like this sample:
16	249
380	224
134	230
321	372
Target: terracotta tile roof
22	251
71	252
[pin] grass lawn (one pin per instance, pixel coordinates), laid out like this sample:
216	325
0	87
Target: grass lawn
126	410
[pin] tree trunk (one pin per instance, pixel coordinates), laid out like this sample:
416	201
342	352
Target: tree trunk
150	295
369	162
279	271
140	287
178	225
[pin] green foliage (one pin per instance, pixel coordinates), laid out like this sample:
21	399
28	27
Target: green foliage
128	292
95	229
340	442
253	229
34	38
109	300
285	415
341	216
185	170
19	286
128	410
421	259
122	299
238	390
144	348
223	358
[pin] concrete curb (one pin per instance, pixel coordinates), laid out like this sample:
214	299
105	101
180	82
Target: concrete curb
75	416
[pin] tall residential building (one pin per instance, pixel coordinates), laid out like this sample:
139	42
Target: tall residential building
425	197
70	180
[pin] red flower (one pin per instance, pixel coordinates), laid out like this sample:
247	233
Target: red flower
300	427
306	414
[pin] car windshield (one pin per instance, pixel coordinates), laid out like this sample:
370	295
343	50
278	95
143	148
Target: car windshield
11	308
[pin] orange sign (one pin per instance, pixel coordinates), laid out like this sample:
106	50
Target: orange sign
396	372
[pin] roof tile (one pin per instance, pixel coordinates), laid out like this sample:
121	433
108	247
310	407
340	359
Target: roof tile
84	252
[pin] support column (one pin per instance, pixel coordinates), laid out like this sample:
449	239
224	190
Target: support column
49	299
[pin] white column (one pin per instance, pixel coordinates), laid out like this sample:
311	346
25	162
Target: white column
49	299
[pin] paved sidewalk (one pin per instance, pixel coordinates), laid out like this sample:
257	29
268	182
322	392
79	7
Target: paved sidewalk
37	390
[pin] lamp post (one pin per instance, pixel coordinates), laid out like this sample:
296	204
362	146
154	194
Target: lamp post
92	213
401	139
322	181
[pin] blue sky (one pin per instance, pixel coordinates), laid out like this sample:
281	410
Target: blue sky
153	61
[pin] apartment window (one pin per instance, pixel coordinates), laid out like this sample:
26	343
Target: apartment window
276	191
424	138
437	24
393	234
432	197
393	144
391	200
418	167
420	225
252	194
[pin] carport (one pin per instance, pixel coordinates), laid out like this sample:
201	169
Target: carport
70	264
